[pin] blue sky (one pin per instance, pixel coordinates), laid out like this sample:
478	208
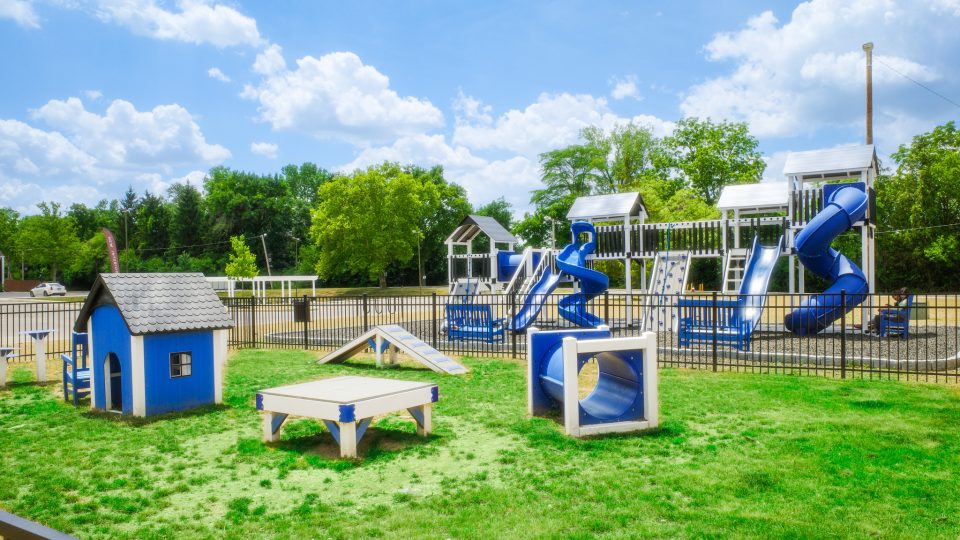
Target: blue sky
100	95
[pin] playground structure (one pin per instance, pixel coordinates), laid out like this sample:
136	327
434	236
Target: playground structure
826	193
625	396
395	338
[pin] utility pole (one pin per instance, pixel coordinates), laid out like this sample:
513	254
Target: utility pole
868	48
126	241
266	258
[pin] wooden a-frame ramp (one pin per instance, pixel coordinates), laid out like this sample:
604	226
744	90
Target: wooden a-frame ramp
396	338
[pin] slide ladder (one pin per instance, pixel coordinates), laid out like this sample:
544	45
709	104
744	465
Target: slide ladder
846	206
734	265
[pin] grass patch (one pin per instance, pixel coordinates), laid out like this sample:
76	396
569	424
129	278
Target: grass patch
736	454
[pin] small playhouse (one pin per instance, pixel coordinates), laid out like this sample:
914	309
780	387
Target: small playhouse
157	342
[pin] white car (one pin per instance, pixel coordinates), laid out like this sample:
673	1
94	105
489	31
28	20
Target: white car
49	288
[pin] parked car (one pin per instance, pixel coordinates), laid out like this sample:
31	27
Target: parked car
49	288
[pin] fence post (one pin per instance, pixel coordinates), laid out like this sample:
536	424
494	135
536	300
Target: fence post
253	322
306	321
715	319
843	334
606	308
436	324
513	334
364	307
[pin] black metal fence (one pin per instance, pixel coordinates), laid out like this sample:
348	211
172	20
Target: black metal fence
921	342
16	318
750	333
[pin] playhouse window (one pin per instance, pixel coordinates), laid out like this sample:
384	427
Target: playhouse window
181	364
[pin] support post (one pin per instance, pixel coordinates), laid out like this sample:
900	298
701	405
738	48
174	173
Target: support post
436	323
365	307
348	439
513	335
715	314
843	334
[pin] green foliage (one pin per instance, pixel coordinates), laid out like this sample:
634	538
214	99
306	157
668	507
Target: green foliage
368	220
918	209
708	155
242	263
9	222
500	210
189	219
48	241
443	205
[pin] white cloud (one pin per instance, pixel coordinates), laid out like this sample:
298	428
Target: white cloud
194	21
264	149
807	74
124	137
625	88
20	11
553	121
93	95
215	73
336	96
86	156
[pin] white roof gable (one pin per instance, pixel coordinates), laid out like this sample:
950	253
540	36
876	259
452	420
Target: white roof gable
831	160
607	206
765	195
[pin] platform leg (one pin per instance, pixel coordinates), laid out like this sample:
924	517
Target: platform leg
571	397
40	346
424	417
393	355
272	422
378	343
348	439
3	371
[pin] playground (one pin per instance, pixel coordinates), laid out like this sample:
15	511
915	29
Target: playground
864	458
532	390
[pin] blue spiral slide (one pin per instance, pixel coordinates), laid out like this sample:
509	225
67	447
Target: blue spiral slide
844	207
570	261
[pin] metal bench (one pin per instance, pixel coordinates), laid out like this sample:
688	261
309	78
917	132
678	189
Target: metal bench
473	321
697	324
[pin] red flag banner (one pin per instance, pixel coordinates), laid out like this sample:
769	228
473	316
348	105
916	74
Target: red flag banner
112	250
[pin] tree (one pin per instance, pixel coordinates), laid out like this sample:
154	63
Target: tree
9	220
48	240
242	263
442	206
500	210
367	221
189	220
918	208
153	231
708	155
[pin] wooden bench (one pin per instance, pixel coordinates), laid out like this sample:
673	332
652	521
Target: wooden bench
76	373
473	321
896	320
696	323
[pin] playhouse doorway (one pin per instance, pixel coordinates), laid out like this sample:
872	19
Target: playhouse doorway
113	389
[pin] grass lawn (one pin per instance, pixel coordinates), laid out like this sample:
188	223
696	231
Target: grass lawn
736	456
352	291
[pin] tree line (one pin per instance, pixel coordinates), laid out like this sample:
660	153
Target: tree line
386	224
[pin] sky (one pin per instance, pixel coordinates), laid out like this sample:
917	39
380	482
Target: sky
101	95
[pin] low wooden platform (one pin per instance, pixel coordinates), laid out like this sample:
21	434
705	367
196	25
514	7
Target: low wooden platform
346	405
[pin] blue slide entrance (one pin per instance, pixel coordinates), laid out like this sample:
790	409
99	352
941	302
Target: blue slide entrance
844	207
570	261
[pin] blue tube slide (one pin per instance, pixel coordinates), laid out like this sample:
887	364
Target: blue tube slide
845	207
573	307
572	261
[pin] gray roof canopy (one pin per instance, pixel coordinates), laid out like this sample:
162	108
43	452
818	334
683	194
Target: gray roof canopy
832	162
473	225
614	205
155	303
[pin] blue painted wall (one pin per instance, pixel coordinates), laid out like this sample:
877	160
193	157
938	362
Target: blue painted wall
110	334
167	394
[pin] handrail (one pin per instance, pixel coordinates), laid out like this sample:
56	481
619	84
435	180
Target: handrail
516	280
546	261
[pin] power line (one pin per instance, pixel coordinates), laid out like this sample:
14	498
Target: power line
920	84
918	228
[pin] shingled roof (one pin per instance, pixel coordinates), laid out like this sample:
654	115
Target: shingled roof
155	303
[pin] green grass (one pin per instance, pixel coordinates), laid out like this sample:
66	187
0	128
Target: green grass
737	455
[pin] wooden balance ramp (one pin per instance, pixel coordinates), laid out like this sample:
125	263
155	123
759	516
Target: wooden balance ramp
396	338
